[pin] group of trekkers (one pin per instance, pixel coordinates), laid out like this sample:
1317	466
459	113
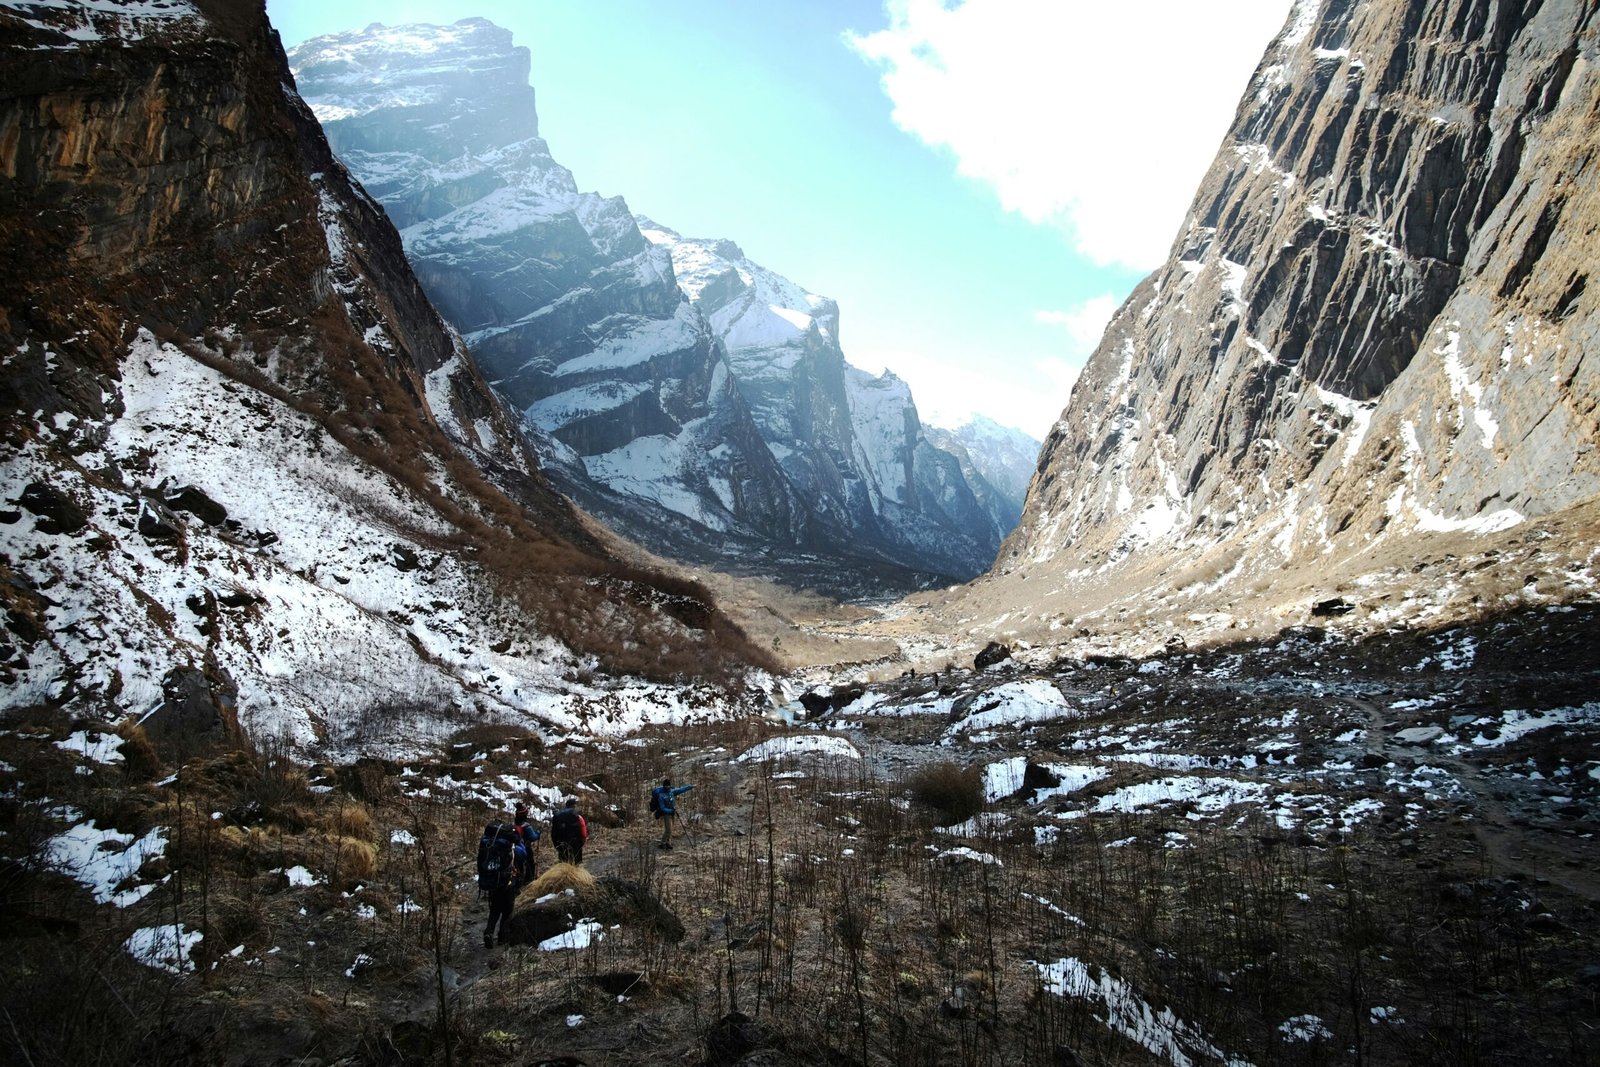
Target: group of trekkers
505	852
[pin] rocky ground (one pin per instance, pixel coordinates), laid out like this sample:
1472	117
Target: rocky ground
1310	851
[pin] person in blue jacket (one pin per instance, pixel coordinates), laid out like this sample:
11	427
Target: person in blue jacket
663	801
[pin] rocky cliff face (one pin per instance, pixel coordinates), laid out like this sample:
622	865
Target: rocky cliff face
244	457
570	313
727	402
850	442
1374	342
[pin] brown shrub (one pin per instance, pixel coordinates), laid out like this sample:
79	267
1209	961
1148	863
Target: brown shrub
954	793
352	819
342	860
140	761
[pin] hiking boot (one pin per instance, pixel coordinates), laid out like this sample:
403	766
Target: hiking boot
488	941
665	846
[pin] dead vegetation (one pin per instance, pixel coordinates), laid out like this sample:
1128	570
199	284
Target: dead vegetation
814	911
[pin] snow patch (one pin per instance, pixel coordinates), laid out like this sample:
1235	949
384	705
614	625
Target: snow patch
165	948
1160	1032
796	746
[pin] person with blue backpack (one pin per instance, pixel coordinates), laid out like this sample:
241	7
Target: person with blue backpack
530	835
502	863
664	803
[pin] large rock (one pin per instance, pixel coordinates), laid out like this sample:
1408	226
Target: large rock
198	715
57	513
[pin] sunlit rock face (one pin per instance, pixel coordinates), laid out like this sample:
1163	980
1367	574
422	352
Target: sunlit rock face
1376	324
726	401
998	461
569	312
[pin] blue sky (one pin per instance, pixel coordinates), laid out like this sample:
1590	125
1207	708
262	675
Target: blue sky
977	184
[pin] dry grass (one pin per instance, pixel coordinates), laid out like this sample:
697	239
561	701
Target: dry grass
559	879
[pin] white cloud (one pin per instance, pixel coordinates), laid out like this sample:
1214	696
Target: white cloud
948	392
1100	118
1084	323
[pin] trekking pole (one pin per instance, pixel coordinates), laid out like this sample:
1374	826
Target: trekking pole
691	839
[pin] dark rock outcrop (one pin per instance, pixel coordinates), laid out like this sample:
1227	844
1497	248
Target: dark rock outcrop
57	513
992	653
198	715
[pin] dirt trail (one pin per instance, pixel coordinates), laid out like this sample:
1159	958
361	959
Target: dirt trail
1511	842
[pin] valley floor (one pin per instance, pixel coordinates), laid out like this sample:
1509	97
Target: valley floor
1307	852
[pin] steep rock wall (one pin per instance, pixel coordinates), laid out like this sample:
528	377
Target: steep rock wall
572	316
1377	323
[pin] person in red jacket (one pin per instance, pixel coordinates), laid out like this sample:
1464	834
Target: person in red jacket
569	831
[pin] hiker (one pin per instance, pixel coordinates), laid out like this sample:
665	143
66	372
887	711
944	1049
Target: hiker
530	834
569	831
501	858
664	802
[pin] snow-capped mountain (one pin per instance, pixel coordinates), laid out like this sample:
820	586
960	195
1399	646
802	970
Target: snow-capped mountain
570	314
250	478
672	386
850	442
999	462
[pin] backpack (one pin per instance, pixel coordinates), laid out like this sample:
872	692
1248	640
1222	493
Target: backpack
655	800
497	861
564	828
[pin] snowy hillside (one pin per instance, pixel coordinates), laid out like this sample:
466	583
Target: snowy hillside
254	487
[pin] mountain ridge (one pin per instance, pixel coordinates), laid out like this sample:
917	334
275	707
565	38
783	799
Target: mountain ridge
596	334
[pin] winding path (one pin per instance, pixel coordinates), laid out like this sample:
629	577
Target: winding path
1520	848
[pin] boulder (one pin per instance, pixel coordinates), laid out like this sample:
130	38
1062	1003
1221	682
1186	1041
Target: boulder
57	512
734	1037
195	502
1037	777
815	703
156	523
197	715
992	653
